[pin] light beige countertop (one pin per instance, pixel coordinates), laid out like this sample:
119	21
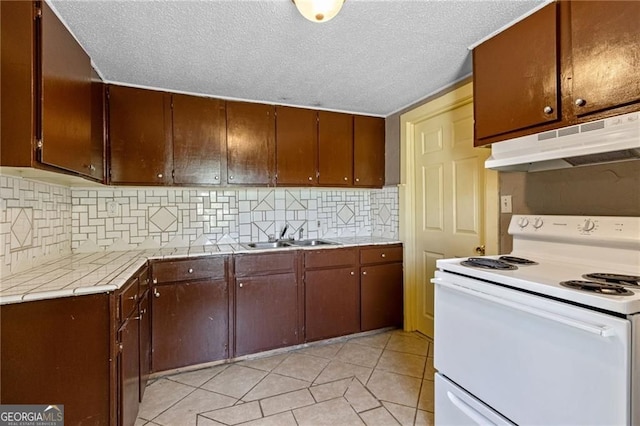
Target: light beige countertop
99	272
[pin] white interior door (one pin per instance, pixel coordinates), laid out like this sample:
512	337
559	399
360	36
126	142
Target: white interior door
449	190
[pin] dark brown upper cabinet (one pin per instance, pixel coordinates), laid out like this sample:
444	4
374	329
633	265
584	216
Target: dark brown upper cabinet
568	63
515	76
199	140
296	146
140	136
605	50
251	129
47	94
368	151
335	149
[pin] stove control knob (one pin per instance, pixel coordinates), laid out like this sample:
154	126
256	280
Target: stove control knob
523	222
537	223
588	225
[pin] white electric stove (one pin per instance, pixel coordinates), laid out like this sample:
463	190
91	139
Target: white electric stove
549	334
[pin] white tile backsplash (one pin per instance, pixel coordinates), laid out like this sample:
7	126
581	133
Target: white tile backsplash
42	220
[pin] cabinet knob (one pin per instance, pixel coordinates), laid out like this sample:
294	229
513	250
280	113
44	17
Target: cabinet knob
230	177
364	273
353	273
580	102
216	177
383	255
156	293
547	110
134	297
357	180
345	178
120	347
155	281
310	178
240	285
160	175
190	270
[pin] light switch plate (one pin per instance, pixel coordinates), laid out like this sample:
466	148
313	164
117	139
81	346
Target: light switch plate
505	204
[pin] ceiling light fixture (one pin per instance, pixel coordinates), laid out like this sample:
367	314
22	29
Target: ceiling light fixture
319	10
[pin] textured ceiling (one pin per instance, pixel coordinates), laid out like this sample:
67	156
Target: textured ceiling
376	57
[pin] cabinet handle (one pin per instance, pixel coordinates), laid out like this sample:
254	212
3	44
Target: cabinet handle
190	270
310	178
357	180
120	347
240	285
580	102
134	297
230	177
353	273
547	110
155	281
345	178
364	273
216	177
383	255
160	175
156	293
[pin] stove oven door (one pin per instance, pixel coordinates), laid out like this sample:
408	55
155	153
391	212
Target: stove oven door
533	360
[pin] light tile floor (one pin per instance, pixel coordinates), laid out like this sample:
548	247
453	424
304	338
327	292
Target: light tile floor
376	380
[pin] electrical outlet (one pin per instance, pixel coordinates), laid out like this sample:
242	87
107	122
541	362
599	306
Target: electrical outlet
113	208
505	204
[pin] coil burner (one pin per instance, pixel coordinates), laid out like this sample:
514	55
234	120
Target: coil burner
486	263
599	288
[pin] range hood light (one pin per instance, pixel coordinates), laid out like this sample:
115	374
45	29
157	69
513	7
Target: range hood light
319	10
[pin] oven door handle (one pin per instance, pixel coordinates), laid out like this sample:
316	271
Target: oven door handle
469	411
601	331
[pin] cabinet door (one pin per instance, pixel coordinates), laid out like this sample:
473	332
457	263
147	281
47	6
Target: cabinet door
189	324
332	303
65	97
145	343
516	76
368	151
98	123
140	136
250	143
605	43
129	372
296	146
381	296
335	149
199	136
266	313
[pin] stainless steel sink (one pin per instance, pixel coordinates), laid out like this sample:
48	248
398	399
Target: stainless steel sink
269	244
306	243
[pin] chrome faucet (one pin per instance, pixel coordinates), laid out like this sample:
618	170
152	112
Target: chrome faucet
284	231
300	231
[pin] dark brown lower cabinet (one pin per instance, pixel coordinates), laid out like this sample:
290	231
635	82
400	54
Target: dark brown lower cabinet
381	296
332	303
129	370
266	313
145	343
381	286
189	323
332	293
57	351
268	302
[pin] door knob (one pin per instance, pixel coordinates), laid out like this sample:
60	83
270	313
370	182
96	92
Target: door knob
480	250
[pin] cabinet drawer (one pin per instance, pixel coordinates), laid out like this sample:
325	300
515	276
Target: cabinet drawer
382	254
144	281
189	269
330	258
128	298
265	263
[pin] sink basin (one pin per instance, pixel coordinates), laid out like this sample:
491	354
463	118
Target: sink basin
310	243
269	244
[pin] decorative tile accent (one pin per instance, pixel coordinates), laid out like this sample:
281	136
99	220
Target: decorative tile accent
345	214
21	228
163	219
35	223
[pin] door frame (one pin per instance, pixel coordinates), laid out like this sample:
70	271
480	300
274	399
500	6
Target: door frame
406	193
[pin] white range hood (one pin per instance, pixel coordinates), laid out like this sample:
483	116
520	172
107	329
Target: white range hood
603	141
